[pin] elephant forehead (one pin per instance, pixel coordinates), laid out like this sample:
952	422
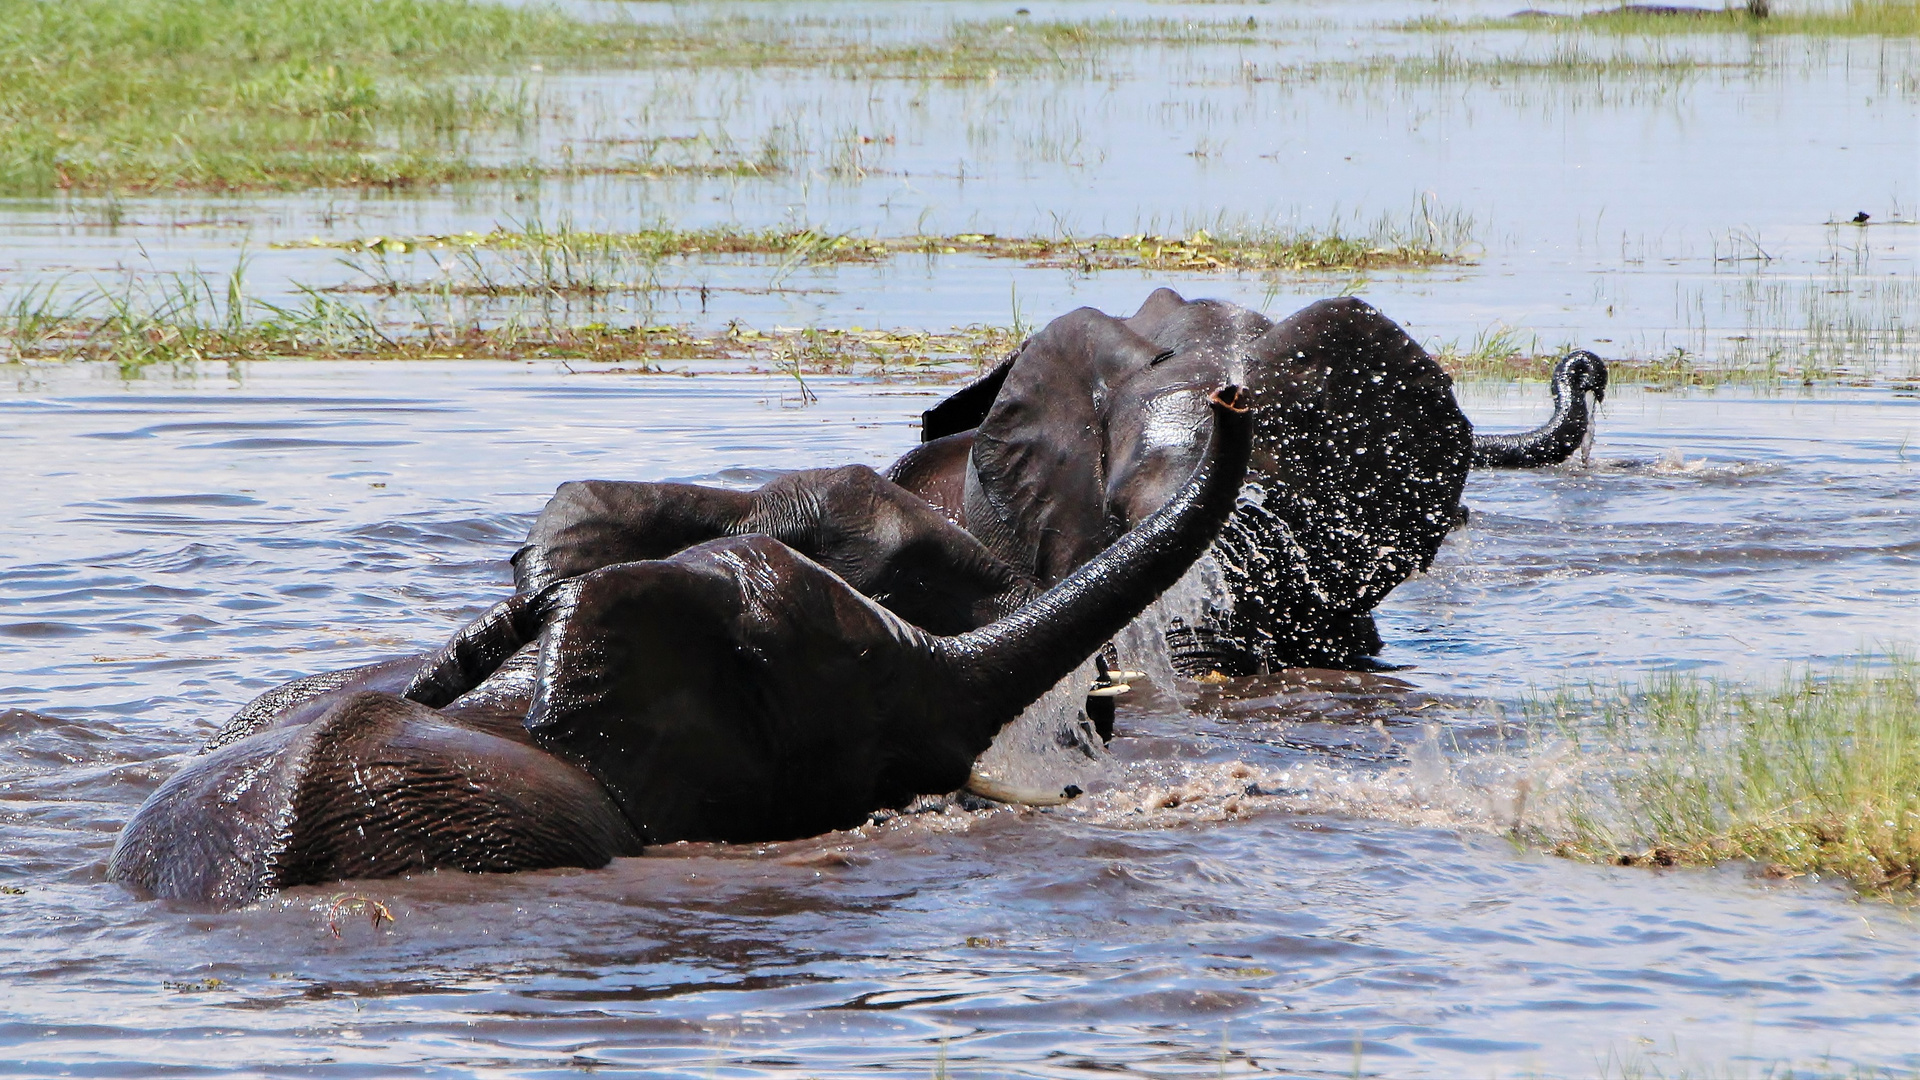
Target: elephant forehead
1219	327
1174	417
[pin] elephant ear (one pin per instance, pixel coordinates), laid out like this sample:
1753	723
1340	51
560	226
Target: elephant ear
1361	446
966	407
1037	494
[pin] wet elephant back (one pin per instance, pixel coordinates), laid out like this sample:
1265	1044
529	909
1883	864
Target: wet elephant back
360	783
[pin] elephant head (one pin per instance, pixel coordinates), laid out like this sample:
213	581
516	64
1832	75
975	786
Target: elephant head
1360	454
733	690
739	690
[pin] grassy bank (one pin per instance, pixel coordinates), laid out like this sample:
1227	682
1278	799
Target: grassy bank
122	95
1818	773
225	94
1886	18
241	93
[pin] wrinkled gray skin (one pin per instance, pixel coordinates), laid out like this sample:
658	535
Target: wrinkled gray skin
735	689
1360	454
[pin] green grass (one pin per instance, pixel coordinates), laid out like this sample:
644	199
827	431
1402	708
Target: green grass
223	94
1817	773
1257	249
242	93
849	44
534	260
1887	18
1502	353
227	94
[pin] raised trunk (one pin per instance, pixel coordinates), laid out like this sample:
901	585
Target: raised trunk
1576	375
1008	664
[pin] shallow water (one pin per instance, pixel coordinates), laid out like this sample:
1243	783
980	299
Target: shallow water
177	546
1303	874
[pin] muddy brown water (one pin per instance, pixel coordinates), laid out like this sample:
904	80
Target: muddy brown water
1262	879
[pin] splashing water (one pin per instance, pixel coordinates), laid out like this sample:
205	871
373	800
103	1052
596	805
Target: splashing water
1052	745
1049	749
1200	593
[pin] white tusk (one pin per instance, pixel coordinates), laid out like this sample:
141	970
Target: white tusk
1126	676
1109	690
988	788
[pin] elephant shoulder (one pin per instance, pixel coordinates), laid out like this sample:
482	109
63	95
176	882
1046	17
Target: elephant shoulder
437	795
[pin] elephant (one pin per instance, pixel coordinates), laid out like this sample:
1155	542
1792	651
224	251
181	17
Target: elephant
735	689
1360	456
1576	375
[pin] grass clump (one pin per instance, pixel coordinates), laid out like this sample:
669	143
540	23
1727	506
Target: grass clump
1886	18
1501	352
953	50
1815	774
1282	251
534	260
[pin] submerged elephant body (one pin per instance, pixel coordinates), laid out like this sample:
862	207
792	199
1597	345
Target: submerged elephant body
735	689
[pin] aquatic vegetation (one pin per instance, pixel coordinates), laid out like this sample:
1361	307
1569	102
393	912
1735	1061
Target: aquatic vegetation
1838	325
185	319
1501	352
1818	773
1258	248
535	260
1891	18
1498	352
961	50
1564	61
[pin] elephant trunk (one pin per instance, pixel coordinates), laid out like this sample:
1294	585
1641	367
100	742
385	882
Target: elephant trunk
1578	374
1006	665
